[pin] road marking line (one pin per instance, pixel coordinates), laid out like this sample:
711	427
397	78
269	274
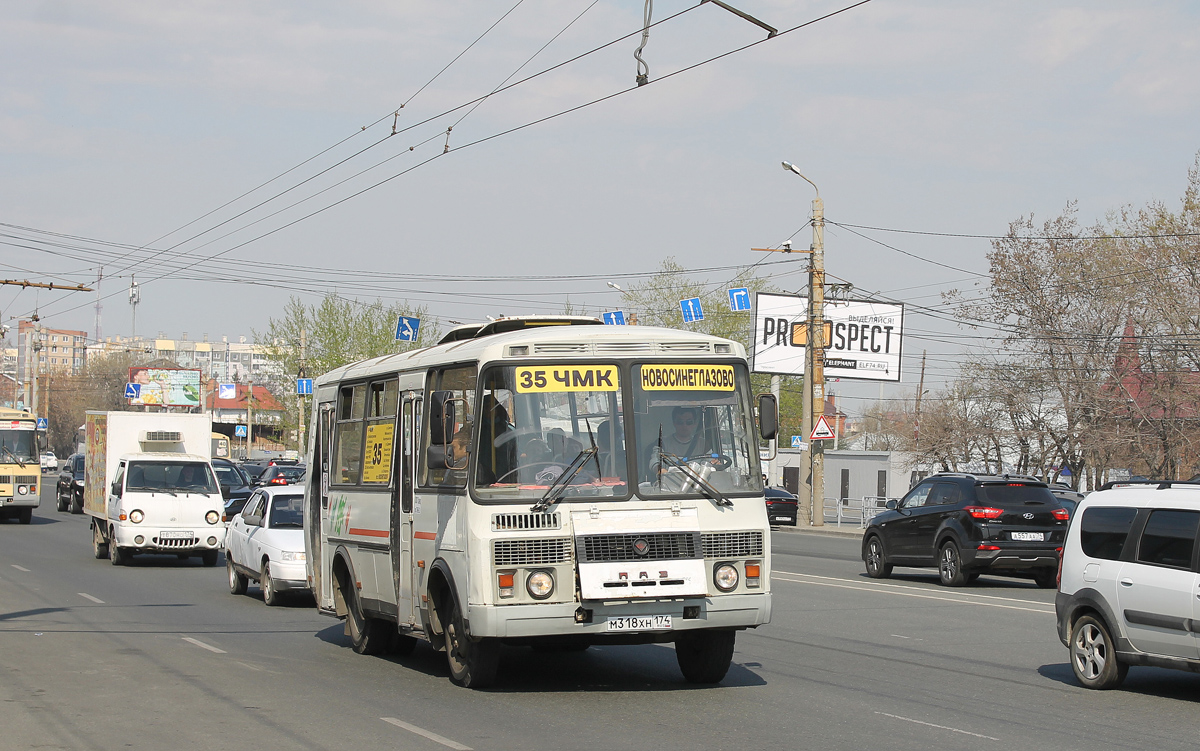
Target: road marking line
905	586
939	727
20	568
209	647
898	636
86	596
914	594
426	734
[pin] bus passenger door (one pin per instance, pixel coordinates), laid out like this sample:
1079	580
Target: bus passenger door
402	507
317	521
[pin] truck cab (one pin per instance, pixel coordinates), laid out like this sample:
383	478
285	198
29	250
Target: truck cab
164	503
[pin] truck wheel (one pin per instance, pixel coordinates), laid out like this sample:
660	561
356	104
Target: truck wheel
99	544
25	515
209	558
117	555
704	656
237	582
473	662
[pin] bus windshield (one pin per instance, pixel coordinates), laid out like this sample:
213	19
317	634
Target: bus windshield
537	420
693	422
18	446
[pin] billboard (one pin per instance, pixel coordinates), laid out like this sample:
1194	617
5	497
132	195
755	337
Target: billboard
863	338
169	387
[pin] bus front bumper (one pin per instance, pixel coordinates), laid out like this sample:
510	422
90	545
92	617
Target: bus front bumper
591	619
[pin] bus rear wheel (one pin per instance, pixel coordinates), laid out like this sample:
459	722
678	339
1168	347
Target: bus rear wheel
473	662
704	656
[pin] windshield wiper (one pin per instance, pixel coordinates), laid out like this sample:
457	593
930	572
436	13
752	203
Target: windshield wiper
703	484
16	458
559	486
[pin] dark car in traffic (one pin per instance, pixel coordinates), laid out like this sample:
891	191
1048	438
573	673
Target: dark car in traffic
966	525
782	506
235	485
287	474
69	489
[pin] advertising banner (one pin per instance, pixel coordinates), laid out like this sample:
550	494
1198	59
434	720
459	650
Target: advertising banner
169	387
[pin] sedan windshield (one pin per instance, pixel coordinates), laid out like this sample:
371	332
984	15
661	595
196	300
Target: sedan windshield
694	427
537	421
171	477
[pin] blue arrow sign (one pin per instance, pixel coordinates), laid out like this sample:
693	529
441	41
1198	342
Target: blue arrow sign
42	424
304	386
133	390
739	299
406	329
239	431
615	318
227	391
691	310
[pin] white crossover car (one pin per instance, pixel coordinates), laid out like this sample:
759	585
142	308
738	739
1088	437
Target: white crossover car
265	543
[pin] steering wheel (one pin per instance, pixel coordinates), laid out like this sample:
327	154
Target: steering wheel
716	461
530	465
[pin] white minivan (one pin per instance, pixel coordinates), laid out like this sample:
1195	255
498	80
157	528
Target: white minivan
164	503
1129	591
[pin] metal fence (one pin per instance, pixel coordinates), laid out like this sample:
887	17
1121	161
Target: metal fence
853	511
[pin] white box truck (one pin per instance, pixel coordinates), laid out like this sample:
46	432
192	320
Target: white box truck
149	486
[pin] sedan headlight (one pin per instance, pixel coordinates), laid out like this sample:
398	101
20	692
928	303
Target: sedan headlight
136	516
288	555
725	576
540	585
212	517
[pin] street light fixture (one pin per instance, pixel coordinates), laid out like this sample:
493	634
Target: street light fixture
614	286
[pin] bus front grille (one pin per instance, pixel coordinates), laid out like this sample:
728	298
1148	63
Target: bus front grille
653	546
733	545
531	552
506	522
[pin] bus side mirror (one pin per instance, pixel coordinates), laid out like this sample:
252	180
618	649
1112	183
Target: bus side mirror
768	416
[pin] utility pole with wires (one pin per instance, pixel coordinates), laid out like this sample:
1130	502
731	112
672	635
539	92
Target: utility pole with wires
135	297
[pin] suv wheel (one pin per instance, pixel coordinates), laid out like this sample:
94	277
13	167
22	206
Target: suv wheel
950	569
1047	579
877	565
1093	658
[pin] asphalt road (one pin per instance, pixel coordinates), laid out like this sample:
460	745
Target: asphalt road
159	655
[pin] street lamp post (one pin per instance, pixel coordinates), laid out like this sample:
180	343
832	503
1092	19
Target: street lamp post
814	357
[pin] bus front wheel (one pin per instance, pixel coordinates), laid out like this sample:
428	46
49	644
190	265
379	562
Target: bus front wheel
704	656
473	662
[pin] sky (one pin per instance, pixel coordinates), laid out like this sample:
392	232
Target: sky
229	155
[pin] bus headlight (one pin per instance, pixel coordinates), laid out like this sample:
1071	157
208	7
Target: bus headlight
22	490
212	517
136	516
540	585
725	576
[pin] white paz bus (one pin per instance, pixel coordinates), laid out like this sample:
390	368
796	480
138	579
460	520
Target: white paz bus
550	482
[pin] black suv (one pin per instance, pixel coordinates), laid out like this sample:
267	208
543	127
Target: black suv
69	488
968	524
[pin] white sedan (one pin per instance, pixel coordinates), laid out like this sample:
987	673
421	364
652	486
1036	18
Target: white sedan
265	543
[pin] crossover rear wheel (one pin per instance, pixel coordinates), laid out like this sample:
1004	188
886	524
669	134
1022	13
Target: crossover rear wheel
1093	657
950	569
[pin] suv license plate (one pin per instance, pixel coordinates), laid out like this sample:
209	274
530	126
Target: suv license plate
640	623
1029	536
178	535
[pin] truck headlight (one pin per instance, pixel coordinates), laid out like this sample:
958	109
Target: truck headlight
136	516
540	585
725	576
289	555
212	517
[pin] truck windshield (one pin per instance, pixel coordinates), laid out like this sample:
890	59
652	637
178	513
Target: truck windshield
535	420
17	446
173	477
698	415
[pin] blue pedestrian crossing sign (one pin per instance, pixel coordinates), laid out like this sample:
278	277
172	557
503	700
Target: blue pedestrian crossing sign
304	386
406	329
797	441
739	299
239	431
615	318
691	309
227	391
42	424
133	390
